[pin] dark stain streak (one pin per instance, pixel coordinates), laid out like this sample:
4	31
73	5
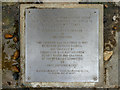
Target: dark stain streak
39	2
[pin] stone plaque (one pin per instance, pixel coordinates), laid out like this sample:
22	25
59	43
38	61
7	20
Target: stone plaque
61	44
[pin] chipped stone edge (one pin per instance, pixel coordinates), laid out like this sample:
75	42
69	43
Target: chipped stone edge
61	84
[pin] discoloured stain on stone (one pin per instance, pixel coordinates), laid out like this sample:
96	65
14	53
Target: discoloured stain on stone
107	55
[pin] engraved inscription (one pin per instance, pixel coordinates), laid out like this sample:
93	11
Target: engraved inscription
62	45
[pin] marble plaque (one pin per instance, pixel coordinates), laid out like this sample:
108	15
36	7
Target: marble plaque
62	45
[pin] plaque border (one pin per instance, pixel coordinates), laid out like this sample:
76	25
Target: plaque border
101	82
